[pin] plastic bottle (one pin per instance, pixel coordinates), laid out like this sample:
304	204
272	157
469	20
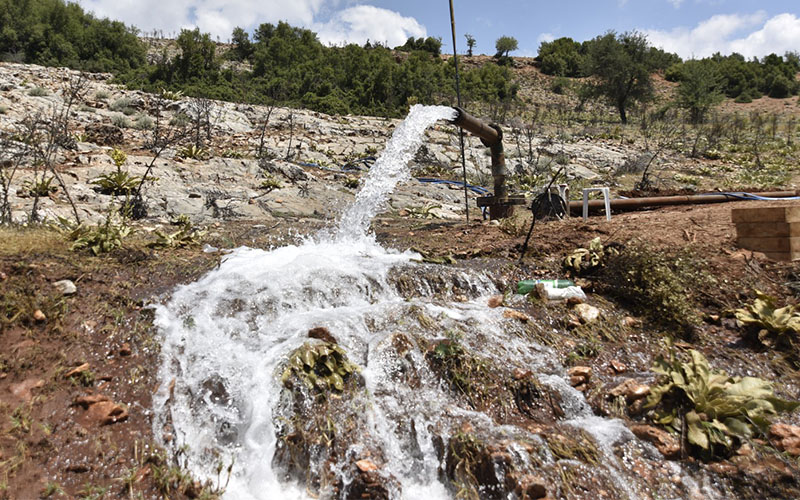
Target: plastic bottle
525	286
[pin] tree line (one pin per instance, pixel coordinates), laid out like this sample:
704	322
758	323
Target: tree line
623	63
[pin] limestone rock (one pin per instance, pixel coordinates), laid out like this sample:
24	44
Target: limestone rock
65	287
587	313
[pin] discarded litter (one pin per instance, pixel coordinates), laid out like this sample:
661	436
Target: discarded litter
524	287
565	293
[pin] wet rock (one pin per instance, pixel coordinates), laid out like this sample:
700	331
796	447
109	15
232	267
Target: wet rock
23	390
531	487
125	349
617	366
587	313
574	301
106	413
366	466
579	377
39	316
322	333
631	322
495	301
514	314
89	400
65	287
77	370
665	442
786	438
631	390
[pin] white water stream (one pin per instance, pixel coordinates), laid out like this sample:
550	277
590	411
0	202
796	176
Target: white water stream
227	336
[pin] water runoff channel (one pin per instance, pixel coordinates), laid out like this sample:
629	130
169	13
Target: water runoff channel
228	336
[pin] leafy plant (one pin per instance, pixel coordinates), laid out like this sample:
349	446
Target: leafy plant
587	260
187	235
770	325
39	187
423	212
323	366
193	152
270	184
351	182
710	408
101	238
232	153
117	183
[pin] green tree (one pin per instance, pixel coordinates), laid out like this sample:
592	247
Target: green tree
242	46
699	90
504	45
622	67
561	57
470	44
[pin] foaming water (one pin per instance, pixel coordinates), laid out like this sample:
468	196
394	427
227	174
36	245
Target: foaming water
227	337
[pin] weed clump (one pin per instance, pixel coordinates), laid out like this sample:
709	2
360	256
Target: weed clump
711	410
771	326
660	285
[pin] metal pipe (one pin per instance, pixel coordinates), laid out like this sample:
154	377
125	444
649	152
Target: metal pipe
663	201
491	135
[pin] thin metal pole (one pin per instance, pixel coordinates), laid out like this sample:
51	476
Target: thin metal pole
458	97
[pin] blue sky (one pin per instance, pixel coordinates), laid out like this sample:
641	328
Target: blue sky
688	27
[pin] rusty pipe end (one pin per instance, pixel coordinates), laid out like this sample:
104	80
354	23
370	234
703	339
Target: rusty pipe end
490	134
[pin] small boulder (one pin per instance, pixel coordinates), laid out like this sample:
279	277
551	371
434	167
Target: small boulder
665	442
366	466
66	287
586	313
786	438
322	333
39	316
495	301
106	413
631	390
514	314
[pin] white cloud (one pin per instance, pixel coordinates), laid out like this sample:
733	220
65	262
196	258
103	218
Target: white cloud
365	22
676	3
546	37
219	17
750	35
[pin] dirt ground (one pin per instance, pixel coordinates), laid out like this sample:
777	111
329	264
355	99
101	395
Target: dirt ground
76	379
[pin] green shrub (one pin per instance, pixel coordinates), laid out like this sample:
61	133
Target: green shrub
772	326
122	105
101	238
120	121
38	92
560	85
101	95
143	122
180	120
660	285
187	235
